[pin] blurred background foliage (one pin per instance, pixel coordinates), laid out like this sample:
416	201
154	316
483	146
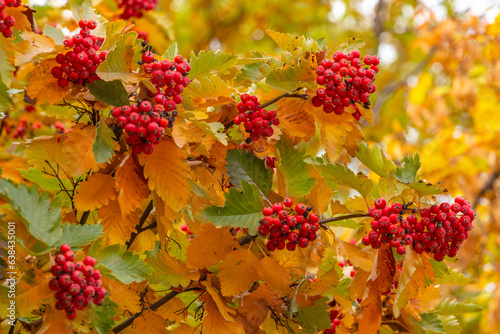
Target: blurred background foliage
438	91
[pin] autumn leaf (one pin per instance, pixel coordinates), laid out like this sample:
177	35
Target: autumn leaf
375	160
170	271
117	228
208	62
166	171
237	272
294	119
215	323
343	176
43	86
274	274
290	78
97	191
119	63
131	186
290	43
209	247
242	165
226	311
207	92
149	321
126	296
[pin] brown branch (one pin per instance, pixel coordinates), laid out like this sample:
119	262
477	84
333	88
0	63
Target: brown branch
247	239
334	219
138	227
61	184
276	99
84	218
153	307
487	186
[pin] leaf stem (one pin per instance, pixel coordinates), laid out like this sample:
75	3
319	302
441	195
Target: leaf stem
138	227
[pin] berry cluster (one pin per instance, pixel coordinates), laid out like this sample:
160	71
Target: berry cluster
77	283
288	227
346	80
169	77
341	264
144	123
136	8
257	121
79	65
335	317
7	22
440	231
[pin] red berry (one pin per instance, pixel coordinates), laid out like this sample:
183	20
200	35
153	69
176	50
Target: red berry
288	202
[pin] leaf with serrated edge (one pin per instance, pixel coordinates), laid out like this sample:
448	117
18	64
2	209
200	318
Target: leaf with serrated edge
95	192
245	166
112	93
407	173
315	317
43	86
56	34
209	62
104	145
170	271
453	307
119	63
375	160
84	9
342	175
290	78
102	316
237	272
124	266
172	51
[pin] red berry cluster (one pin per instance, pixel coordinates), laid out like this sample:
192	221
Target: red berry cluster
169	77
257	121
440	231
144	123
77	283
346	81
7	22
288	227
136	8
335	317
79	65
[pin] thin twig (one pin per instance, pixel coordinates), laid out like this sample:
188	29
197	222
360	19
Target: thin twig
11	330
334	219
276	99
84	218
61	184
138	227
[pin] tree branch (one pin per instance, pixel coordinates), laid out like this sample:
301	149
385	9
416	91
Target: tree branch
84	218
334	219
276	99
138	227
153	307
487	186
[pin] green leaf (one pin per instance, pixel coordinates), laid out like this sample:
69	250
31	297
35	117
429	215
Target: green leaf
125	266
50	184
245	166
425	189
166	270
454	278
80	235
40	216
102	316
172	51
352	44
258	71
453	307
210	62
343	176
430	323
407	173
290	78
7	68
104	144
440	268
114	30
119	63
112	93
349	223
60	112
84	9
450	324
5	98
56	34
294	172
315	317
241	208
375	160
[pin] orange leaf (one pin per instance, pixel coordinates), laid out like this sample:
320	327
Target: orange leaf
97	191
324	283
30	292
149	322
215	323
370	317
166	171
127	297
225	311
210	246
170	310
78	149
360	257
131	186
321	194
43	86
20	14
274	274
116	228
165	216
172	271
237	272
53	322
294	119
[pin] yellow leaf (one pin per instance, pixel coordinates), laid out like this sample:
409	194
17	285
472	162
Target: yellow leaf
175	271
131	186
165	216
78	149
237	272
294	119
360	257
214	295
210	246
20	14
321	194
324	283
302	260
29	296
184	329
149	322
116	228
43	86
126	296
145	241
33	45
208	91
170	310
274	274
215	323
54	322
166	171
97	191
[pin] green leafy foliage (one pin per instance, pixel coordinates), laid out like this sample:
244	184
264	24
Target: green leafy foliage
125	266
5	97
375	160
40	215
241	208
119	61
56	34
112	93
407	173
315	317
79	235
47	183
346	177
172	51
290	78
244	166
102	316
349	223
294	172
206	63
104	143
453	307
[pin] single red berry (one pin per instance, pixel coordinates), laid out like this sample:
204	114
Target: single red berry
288	202
300	208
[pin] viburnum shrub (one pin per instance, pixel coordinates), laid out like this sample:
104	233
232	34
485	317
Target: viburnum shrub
288	227
80	64
77	283
438	230
257	121
7	21
135	8
345	80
